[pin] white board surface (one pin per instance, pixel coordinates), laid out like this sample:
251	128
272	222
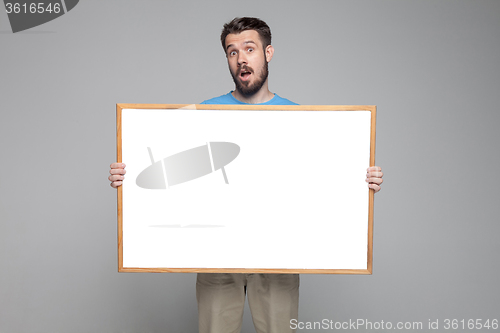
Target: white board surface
296	196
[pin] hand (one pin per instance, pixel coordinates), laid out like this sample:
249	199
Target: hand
117	174
374	176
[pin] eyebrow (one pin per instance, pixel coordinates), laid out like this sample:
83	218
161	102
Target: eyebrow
245	42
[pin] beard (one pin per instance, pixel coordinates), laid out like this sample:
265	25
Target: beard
246	88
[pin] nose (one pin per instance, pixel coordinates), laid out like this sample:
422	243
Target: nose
242	59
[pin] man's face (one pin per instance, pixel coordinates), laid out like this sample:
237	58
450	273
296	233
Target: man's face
247	61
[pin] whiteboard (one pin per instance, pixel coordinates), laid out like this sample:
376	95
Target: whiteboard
277	189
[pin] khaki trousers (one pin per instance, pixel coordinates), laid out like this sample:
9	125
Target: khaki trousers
273	301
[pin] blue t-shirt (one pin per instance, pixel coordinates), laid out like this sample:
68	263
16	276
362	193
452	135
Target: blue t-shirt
229	99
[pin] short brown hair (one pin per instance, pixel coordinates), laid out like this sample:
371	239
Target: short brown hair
240	24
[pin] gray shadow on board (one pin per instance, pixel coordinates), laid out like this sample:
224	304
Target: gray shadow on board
188	165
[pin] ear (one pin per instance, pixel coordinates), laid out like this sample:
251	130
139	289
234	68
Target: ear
269	53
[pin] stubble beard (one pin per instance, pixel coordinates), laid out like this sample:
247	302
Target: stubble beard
247	89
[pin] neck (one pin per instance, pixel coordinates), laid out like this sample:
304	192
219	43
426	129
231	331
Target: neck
261	96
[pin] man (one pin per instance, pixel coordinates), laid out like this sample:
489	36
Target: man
273	298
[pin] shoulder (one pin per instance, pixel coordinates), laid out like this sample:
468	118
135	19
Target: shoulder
223	99
277	100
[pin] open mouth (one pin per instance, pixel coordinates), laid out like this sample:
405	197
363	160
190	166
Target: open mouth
245	74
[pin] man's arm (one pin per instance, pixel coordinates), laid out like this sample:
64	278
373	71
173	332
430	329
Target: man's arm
117	171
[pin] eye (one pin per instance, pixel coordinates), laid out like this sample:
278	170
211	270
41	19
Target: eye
250	49
232	53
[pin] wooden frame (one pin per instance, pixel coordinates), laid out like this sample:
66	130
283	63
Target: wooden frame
369	253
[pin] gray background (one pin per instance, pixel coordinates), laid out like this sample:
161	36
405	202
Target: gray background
431	67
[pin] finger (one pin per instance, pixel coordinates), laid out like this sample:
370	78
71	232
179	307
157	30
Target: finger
117	171
116	184
374	168
374	187
374	174
117	165
377	181
114	178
